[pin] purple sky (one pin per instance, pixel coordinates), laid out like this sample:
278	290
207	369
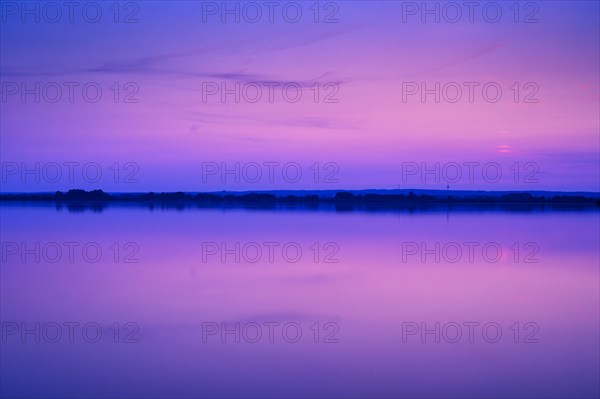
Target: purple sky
366	130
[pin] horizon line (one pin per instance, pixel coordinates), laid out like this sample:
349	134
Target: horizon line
307	189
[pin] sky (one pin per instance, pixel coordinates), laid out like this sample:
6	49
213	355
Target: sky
207	96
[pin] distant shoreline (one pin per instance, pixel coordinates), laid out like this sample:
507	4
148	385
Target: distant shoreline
347	198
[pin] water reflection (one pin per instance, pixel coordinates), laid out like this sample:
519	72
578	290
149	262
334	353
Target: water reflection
379	299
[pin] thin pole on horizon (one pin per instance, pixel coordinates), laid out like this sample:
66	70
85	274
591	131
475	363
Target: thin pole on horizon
448	205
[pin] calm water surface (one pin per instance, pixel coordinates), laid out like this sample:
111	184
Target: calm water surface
131	302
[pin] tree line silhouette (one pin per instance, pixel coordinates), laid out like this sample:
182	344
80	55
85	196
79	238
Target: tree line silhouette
341	197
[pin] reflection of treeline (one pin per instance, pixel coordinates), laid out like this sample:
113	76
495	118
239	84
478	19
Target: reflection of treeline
344	198
513	198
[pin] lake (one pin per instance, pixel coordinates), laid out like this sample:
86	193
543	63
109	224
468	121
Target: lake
127	301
